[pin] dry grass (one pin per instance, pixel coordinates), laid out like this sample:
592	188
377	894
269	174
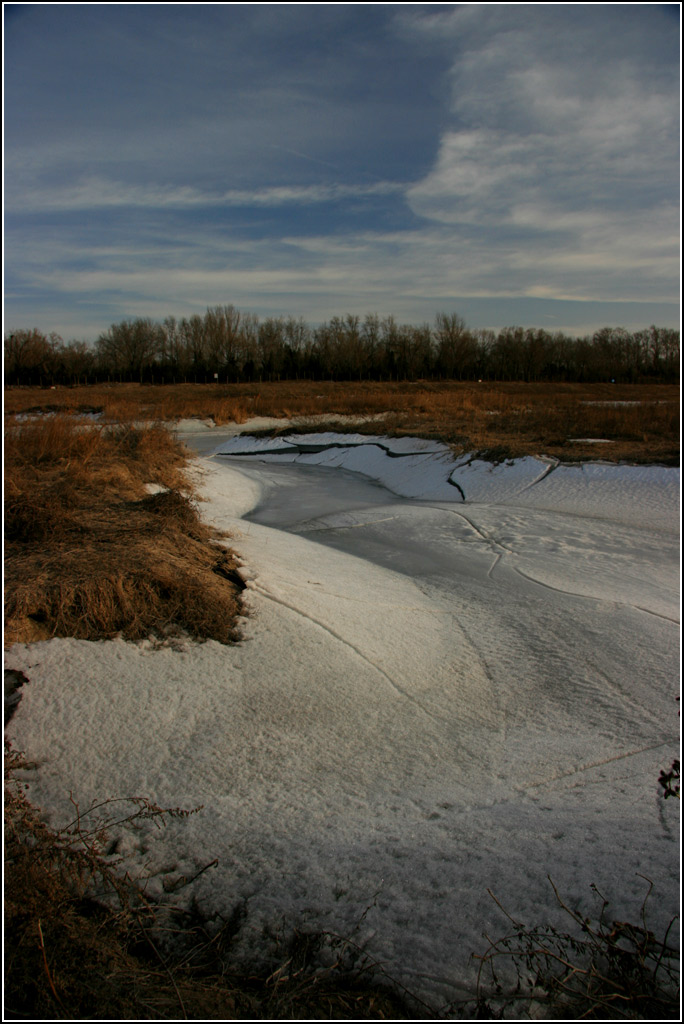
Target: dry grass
641	421
90	553
67	955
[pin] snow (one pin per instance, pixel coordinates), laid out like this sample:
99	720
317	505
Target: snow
193	426
414	467
443	687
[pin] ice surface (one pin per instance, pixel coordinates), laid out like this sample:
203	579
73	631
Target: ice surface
434	696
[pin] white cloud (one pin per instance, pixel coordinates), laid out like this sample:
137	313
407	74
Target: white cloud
565	138
102	193
309	275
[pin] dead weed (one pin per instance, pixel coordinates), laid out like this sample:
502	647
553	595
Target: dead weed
82	942
596	969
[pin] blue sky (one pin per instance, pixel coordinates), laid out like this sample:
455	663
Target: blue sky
514	163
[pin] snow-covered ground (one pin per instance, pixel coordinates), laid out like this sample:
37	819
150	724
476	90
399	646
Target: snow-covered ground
455	677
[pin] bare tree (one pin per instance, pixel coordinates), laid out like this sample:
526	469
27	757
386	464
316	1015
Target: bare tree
30	357
271	347
78	361
456	349
130	347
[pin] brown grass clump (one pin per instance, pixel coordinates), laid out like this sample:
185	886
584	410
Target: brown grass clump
90	553
640	422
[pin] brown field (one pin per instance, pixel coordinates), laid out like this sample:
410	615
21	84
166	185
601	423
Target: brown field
641	421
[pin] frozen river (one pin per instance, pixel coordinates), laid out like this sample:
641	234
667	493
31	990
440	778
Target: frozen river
558	620
454	678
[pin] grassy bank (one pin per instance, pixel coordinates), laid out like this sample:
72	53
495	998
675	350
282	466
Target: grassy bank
635	423
103	539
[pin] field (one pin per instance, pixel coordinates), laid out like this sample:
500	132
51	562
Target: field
393	701
640	423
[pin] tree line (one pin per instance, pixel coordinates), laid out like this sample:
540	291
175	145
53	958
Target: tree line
231	346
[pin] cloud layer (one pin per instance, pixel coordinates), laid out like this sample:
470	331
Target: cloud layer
342	158
564	138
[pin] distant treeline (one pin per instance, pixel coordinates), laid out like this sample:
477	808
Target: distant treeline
233	346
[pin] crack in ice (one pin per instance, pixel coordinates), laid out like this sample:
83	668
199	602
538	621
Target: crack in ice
331	632
594	597
352	526
578	769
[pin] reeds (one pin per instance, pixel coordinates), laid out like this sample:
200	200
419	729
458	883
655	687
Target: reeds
639	422
91	554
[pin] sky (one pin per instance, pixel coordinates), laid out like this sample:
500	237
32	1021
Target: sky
513	163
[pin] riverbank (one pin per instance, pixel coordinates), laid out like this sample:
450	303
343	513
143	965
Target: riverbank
431	698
